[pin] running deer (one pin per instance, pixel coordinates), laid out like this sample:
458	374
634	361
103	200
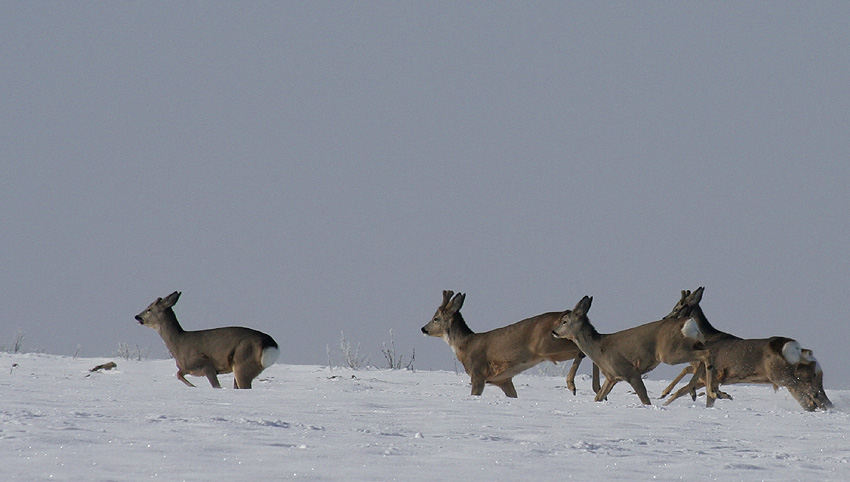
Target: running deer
496	356
688	306
776	360
243	351
628	354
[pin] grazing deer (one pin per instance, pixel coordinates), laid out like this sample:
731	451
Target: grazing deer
777	360
243	351
809	368
496	356
628	354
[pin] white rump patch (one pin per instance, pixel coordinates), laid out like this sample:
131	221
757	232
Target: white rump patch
691	330
792	352
270	356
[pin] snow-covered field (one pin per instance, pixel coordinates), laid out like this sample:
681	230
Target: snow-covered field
135	422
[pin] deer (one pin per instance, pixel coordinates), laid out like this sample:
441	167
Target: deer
777	360
629	354
242	351
809	368
688	304
496	356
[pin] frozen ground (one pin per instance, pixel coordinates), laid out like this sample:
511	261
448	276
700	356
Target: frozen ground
137	422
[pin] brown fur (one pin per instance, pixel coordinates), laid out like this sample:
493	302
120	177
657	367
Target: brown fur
749	361
628	354
209	352
496	356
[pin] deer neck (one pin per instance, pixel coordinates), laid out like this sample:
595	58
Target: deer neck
588	340
170	330
459	333
703	324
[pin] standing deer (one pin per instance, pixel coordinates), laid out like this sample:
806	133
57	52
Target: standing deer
243	351
498	355
628	354
776	360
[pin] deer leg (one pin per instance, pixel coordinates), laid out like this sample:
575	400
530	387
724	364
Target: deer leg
181	376
640	389
693	385
697	381
244	374
507	386
606	388
595	382
716	384
685	371
712	390
247	365
682	391
477	386
571	376
710	386
241	381
210	372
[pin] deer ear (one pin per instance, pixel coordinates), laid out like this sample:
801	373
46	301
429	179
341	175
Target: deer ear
696	296
171	299
447	296
456	303
583	306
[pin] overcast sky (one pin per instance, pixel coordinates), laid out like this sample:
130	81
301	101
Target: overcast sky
312	168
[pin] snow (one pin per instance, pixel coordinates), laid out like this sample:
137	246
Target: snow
136	422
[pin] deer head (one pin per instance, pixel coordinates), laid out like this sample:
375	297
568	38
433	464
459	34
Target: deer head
153	314
445	315
573	321
689	300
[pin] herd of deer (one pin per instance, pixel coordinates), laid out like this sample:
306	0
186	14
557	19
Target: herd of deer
683	336
496	356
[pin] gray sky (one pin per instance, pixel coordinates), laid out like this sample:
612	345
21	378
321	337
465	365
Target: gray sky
315	168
